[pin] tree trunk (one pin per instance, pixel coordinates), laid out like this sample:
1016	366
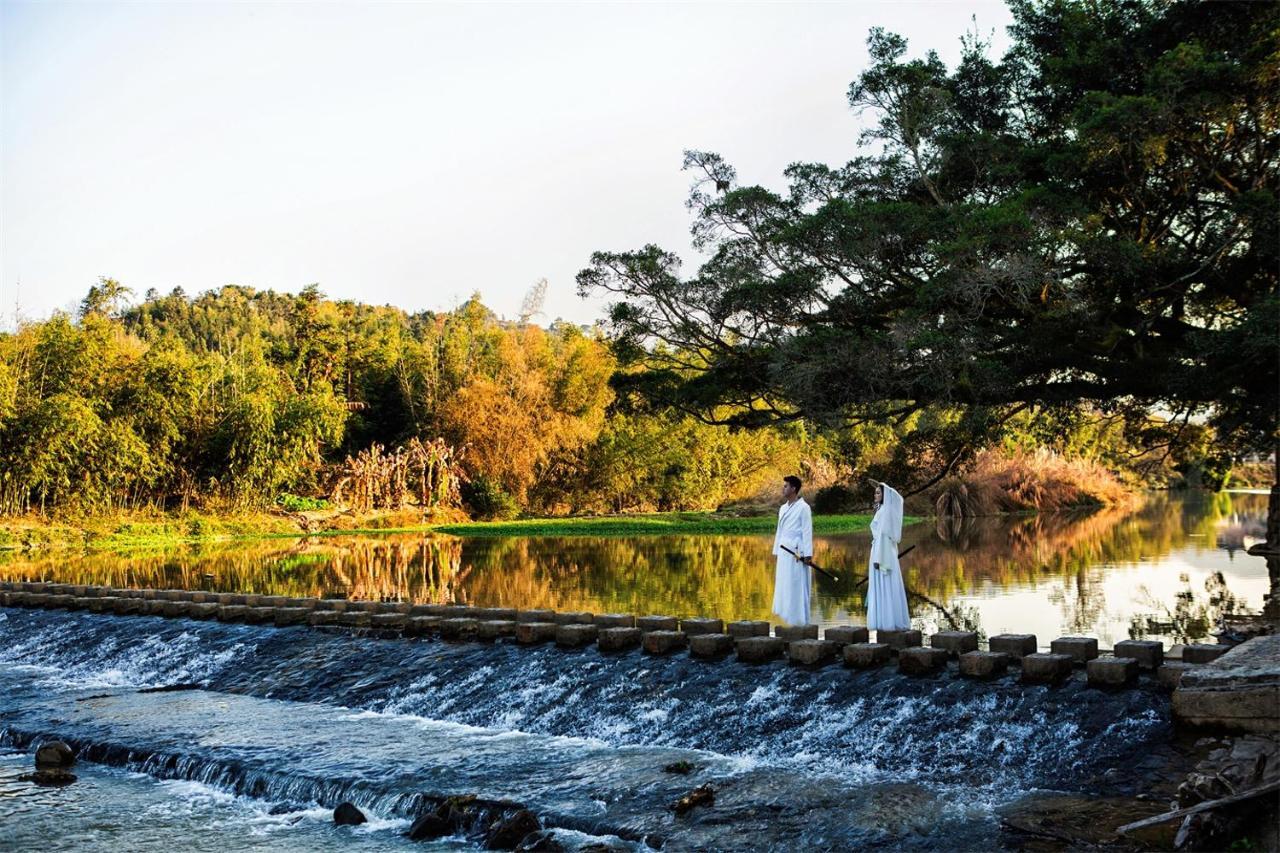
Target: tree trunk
1272	545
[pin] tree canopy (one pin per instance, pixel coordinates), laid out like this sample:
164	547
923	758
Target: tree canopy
1090	218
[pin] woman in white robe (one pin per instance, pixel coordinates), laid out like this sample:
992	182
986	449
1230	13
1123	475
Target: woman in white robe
886	593
792	578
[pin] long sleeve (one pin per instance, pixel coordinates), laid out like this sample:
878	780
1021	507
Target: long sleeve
806	532
876	547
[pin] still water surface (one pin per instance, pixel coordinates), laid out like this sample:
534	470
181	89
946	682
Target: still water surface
1168	568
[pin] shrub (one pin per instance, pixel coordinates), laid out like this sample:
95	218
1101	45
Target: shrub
300	503
488	500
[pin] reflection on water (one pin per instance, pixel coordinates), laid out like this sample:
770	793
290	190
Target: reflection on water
1168	570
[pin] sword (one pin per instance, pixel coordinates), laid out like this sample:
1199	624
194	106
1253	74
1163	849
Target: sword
811	564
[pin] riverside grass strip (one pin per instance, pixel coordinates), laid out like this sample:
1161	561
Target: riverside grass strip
461	623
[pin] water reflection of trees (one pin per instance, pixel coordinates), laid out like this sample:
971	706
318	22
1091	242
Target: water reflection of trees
730	576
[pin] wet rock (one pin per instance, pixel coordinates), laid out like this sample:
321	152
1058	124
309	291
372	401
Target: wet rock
346	814
509	831
703	795
54	754
543	841
433	824
680	768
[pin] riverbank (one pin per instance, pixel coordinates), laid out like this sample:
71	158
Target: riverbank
109	533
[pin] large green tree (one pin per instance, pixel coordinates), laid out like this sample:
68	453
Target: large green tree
1091	217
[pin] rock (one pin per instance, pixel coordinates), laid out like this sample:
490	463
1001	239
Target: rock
492	629
54	754
978	664
459	628
922	661
1046	668
1170	674
1240	691
955	643
383	621
811	652
738	630
574	618
576	635
286	616
680	768
760	649
1112	672
664	642
900	639
703	795
495	614
614	620
657	623
618	639
796	632
843	635
1079	649
346	814
52	778
509	831
866	655
530	633
1203	652
543	841
1148	653
702	626
536	616
710	645
433	824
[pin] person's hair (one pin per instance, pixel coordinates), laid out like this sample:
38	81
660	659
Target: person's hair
793	481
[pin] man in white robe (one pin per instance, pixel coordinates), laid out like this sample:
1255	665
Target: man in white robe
792	578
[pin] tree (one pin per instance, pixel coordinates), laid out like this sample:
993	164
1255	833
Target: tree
1092	218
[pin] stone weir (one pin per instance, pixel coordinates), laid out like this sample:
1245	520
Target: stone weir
954	652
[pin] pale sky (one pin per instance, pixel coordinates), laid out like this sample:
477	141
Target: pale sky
403	153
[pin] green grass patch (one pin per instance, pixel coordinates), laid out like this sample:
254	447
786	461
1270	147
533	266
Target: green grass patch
671	523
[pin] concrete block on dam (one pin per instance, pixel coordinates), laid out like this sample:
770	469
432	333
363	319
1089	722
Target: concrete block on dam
955	643
618	639
532	633
811	652
663	642
575	635
796	632
1148	653
1016	646
900	639
701	625
536	616
710	645
1081	650
614	620
760	649
747	628
866	655
657	623
843	635
1047	668
571	618
1112	672
976	664
918	660
460	628
1203	652
493	629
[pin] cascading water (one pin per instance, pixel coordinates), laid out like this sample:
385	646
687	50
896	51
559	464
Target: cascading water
826	758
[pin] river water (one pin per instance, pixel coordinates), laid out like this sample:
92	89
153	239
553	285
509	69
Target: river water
272	728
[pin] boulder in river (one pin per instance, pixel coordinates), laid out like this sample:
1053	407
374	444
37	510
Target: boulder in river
509	831
53	762
346	814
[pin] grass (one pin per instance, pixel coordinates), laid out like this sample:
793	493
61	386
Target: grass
652	524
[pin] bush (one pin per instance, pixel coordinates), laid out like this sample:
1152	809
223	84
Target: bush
835	499
299	503
488	500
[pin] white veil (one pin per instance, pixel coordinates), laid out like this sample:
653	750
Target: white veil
888	518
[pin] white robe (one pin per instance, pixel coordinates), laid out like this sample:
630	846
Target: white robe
886	594
792	579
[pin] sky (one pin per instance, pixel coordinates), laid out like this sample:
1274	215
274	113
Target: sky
404	153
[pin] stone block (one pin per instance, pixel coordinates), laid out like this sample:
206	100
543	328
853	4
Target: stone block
274	601
955	643
421	626
898	640
573	618
372	607
614	620
496	614
531	633
260	615
202	610
1016	646
1238	692
663	642
866	655
917	660
747	628
286	616
1148	653
1047	668
230	612
1111	672
1203	652
307	603
126	606
811	652
457	628
456	611
760	649
701	625
96	605
657	623
843	635
1081	650
574	635
389	621
355	619
710	645
976	664
618	639
796	632
1170	674
492	629
536	616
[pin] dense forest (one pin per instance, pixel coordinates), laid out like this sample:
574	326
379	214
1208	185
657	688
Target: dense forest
239	398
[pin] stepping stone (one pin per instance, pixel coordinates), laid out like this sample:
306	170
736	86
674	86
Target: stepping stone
866	655
124	606
495	614
760	649
96	605
207	610
796	632
811	652
531	633
710	645
170	608
573	618
355	619
614	620
456	611
387	621
536	616
702	626
955	643
916	660
1016	646
739	630
457	628
416	610
978	664
286	616
843	635
1047	668
1081	650
399	607
414	626
1148	653
1203	652
576	634
226	612
900	639
319	618
618	639
1170	674
1111	672
657	623
492	629
267	600
663	642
